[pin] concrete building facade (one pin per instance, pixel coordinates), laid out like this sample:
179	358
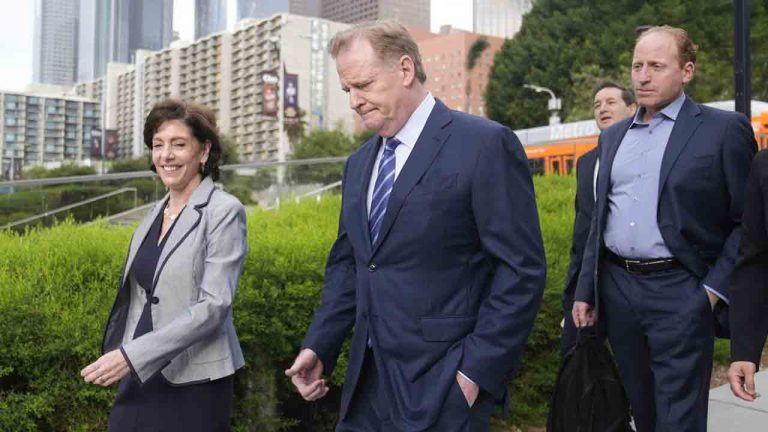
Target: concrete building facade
284	56
46	129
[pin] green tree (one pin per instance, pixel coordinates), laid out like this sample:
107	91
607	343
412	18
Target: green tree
320	143
324	143
296	128
140	163
569	45
67	170
230	152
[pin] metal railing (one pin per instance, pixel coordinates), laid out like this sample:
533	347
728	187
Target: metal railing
147	173
318	191
72	206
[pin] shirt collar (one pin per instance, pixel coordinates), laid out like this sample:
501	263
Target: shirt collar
409	133
670	111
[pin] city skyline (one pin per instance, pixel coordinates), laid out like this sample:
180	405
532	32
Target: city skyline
17	30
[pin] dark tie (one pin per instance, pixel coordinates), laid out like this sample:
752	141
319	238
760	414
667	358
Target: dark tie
383	187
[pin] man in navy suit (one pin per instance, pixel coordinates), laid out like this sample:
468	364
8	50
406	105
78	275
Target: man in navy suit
439	262
611	104
664	236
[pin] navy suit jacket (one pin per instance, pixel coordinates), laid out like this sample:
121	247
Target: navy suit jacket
749	286
584	205
455	278
701	194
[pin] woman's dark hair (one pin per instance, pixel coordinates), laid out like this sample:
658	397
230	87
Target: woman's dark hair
200	121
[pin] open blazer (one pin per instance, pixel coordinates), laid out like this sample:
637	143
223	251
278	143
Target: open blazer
195	280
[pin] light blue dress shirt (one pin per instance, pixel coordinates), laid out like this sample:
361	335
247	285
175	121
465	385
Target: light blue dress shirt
632	229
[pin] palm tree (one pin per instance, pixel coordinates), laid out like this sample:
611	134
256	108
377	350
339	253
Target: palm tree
475	51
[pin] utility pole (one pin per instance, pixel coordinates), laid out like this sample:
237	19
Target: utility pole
742	65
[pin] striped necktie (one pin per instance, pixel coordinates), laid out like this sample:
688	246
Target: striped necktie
383	187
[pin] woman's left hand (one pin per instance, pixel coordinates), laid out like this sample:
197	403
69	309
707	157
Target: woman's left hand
107	370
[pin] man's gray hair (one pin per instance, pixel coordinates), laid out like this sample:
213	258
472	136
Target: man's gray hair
389	40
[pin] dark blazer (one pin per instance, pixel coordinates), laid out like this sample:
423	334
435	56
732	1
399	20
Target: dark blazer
701	194
455	278
584	205
749	285
195	281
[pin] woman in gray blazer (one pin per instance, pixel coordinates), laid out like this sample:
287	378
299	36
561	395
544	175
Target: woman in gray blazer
169	340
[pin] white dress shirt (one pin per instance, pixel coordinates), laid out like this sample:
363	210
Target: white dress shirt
407	135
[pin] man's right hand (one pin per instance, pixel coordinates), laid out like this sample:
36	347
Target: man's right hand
305	375
583	314
741	375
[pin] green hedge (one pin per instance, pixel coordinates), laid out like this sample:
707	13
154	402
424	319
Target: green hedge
57	286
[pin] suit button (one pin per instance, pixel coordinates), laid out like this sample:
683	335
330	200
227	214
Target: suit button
371	267
154	300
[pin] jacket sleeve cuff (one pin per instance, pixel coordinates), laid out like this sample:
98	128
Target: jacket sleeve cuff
466	377
716	293
496	387
134	375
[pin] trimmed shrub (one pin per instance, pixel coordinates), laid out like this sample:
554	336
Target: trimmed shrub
57	286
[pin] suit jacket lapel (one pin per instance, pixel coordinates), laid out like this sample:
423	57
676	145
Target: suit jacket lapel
685	124
424	151
140	234
185	224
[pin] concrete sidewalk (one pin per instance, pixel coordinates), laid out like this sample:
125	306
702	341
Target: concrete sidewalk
727	413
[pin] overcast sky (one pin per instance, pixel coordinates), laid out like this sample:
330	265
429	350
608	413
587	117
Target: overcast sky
17	23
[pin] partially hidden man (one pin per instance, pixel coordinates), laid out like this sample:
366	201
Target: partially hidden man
664	236
611	104
439	263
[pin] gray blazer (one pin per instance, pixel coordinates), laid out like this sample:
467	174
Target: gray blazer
193	339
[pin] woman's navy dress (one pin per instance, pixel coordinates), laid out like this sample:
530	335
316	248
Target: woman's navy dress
158	405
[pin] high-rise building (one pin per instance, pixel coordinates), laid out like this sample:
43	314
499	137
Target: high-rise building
140	24
261	8
55	42
500	18
212	16
94	33
309	8
113	30
409	12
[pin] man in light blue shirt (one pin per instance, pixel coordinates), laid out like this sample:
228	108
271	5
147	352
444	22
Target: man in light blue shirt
664	235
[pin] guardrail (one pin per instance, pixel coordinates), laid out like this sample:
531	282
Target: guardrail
148	173
74	205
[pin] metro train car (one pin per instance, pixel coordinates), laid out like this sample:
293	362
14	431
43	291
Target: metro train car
554	149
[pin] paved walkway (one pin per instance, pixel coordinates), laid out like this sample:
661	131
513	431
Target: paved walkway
727	413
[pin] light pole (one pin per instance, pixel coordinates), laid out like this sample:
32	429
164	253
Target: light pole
553	105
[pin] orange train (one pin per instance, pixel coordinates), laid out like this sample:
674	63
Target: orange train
554	149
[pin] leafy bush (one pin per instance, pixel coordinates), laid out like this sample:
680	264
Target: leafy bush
57	286
66	170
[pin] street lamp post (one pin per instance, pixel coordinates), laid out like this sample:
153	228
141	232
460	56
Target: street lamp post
553	105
